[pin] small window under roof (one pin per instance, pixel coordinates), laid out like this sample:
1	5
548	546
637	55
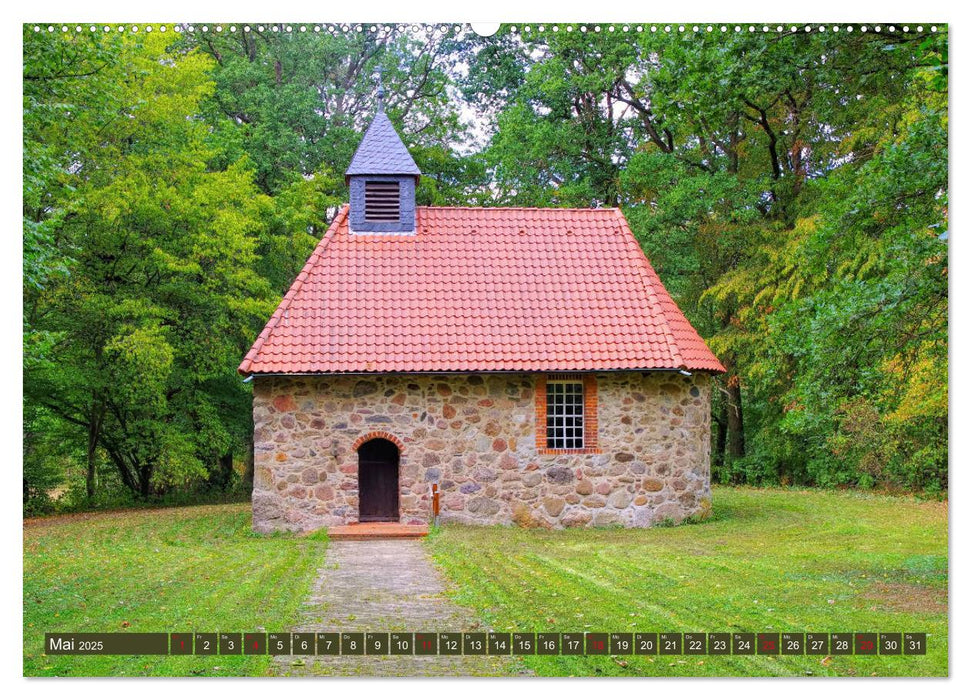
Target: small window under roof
382	201
564	412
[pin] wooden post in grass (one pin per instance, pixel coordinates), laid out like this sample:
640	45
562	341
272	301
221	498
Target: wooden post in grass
435	502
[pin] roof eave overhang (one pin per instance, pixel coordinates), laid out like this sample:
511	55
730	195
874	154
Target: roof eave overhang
682	370
348	176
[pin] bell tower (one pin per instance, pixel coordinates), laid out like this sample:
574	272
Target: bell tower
382	179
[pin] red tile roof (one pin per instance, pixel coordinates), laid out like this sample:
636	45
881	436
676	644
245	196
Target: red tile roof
477	290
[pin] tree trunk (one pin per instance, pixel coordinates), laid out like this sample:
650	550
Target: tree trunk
127	478
94	436
91	478
736	433
226	470
250	466
721	431
145	480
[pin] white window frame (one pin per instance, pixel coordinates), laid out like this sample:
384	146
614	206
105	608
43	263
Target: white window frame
565	417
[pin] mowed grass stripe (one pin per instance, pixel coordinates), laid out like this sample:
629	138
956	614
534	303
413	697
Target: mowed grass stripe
599	584
677	600
187	569
769	560
609	591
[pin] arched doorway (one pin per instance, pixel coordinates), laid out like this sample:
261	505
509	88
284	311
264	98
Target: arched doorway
377	478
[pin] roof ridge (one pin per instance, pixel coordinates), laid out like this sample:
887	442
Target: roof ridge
584	209
676	355
295	287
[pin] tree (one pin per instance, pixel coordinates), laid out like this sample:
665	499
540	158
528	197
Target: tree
158	294
790	189
70	95
731	155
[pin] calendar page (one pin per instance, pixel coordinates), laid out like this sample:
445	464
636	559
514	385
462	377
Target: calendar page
528	349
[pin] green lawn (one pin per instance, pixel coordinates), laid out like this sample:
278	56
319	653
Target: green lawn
194	569
768	560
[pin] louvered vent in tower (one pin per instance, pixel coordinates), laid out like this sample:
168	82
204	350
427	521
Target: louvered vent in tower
382	201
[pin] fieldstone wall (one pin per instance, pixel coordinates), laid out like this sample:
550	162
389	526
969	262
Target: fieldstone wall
475	436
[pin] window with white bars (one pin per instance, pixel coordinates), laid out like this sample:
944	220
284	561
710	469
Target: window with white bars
382	201
564	414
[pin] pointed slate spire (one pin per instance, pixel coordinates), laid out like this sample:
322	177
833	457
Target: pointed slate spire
382	152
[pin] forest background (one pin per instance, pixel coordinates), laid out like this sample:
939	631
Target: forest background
790	188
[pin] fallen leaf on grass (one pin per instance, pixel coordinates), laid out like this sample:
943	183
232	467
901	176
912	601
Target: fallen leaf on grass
826	661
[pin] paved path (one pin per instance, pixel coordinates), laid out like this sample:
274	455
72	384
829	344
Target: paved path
385	586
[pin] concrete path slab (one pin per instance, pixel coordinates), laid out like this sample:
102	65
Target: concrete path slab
386	586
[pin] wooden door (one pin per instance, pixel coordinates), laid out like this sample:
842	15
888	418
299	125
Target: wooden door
377	475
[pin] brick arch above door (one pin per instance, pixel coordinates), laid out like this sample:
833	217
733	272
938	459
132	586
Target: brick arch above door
379	434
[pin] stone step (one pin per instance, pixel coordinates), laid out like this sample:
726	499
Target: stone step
376	531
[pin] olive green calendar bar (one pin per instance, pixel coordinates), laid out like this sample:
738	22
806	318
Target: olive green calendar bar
92	643
489	643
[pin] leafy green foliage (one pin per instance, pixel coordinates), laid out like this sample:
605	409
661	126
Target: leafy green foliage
157	300
174	187
791	191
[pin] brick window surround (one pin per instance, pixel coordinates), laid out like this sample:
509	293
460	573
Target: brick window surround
590	442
